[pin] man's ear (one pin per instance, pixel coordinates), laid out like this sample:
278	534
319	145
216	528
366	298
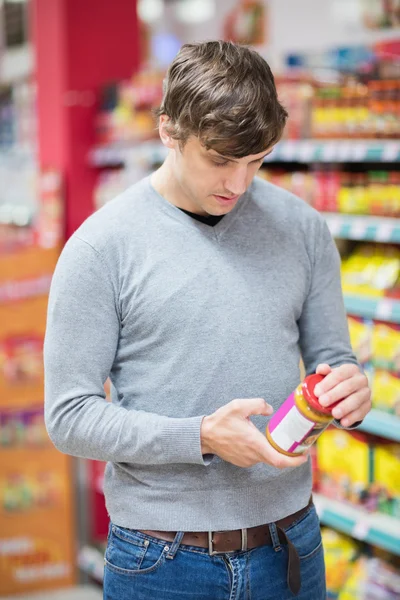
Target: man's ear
166	139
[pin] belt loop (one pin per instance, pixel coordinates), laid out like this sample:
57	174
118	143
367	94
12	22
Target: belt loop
244	540
175	544
274	537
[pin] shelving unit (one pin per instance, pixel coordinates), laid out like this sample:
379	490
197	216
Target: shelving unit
385	309
363	227
302	151
383	424
374	528
151	151
305	151
91	562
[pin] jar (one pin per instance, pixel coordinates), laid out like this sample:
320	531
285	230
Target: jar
300	420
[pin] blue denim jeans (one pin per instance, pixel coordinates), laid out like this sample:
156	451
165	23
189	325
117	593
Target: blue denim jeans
141	567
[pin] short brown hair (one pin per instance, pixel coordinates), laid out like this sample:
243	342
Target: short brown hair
224	94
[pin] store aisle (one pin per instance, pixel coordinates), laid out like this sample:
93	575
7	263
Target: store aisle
82	592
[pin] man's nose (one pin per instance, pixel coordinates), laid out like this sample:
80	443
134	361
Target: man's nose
236	184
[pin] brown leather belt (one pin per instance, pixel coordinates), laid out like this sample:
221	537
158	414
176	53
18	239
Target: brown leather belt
219	542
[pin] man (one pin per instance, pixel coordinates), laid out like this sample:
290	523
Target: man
197	290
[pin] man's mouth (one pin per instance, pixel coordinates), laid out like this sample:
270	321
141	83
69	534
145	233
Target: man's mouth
226	198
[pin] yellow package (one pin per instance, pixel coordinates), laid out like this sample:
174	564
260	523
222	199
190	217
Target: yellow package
354	587
371	270
386	392
385	346
344	465
360	337
340	552
387	478
344	199
358	273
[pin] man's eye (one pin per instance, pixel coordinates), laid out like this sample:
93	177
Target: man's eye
218	164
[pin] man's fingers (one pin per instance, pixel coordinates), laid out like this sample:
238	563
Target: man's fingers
359	402
323	369
335	377
281	461
353	417
343	389
269	455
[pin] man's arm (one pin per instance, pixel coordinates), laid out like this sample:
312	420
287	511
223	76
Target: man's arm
80	345
324	337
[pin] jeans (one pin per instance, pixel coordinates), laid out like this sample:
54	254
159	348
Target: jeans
141	567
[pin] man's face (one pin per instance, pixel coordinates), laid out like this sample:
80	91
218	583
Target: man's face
209	183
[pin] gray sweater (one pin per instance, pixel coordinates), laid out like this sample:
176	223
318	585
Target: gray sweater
183	318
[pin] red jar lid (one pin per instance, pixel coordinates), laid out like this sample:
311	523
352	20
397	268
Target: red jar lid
307	388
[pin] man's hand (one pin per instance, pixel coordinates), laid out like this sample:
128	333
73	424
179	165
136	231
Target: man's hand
347	384
229	433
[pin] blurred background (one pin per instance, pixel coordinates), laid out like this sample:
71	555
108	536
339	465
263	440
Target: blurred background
78	80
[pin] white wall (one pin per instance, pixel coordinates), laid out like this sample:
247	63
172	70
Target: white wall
293	25
315	25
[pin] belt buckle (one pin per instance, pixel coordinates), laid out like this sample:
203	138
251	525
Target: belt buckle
213	552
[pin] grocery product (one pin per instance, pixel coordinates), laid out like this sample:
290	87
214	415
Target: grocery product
385	346
300	420
385	388
387	478
359	469
125	108
360	337
340	552
371	579
329	189
371	270
344	465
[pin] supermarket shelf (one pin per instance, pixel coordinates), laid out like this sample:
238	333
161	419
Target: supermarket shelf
91	562
363	227
382	424
374	528
115	154
303	151
81	592
384	309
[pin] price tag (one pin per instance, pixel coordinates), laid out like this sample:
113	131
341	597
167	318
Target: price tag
384	309
359	151
384	232
344	151
288	150
360	530
391	151
330	152
306	152
358	229
334	223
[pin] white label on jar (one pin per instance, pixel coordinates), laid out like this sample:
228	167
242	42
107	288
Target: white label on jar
291	431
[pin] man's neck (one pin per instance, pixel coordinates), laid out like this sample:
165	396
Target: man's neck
166	185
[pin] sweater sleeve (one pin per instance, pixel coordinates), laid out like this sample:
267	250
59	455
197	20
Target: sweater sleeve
81	342
324	334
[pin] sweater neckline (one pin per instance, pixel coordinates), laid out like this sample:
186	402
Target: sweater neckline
176	213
